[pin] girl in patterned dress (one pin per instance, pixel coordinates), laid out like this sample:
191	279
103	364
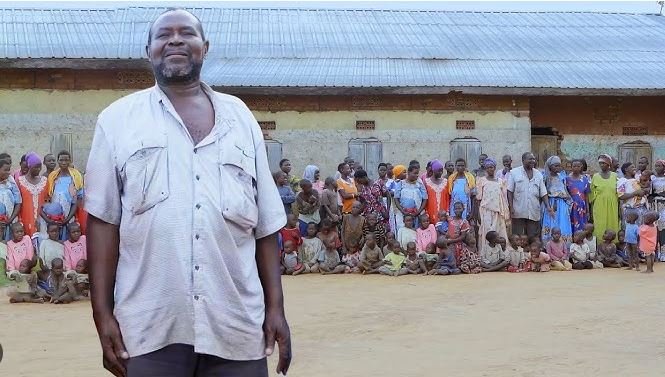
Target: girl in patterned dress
658	204
579	188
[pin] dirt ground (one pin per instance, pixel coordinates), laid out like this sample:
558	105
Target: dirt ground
588	323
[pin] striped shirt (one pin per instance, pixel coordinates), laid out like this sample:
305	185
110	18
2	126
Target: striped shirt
189	217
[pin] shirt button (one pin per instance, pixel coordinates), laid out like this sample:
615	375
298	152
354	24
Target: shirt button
198	206
196	150
196	297
197	237
198	177
196	268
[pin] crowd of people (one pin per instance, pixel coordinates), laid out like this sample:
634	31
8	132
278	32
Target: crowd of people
449	219
42	225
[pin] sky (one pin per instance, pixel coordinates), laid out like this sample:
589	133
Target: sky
543	6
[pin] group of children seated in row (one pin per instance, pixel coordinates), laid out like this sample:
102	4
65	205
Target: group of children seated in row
449	248
54	271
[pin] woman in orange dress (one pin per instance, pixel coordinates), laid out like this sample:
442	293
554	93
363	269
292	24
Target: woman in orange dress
33	194
437	192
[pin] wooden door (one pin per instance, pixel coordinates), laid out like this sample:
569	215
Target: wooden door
631	152
368	153
467	148
543	147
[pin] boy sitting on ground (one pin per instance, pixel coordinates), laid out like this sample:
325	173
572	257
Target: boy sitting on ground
446	265
25	286
494	257
371	257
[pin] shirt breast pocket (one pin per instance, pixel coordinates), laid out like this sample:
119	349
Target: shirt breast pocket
237	170
144	174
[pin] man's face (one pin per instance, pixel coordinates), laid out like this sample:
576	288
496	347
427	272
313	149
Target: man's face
529	161
507	162
176	48
642	164
63	161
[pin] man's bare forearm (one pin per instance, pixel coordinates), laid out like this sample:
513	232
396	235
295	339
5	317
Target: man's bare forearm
267	261
103	251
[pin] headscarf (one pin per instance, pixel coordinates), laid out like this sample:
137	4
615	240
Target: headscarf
436	165
489	162
309	173
398	170
32	159
606	158
551	161
662	162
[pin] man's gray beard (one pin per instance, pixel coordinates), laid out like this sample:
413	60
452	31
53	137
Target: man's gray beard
181	75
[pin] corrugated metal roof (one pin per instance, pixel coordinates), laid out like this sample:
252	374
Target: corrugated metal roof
370	48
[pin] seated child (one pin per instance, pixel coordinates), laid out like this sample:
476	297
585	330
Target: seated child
494	258
371	257
372	225
558	252
649	238
390	236
632	235
25	287
311	246
515	253
291	264
446	264
307	205
579	252
60	289
20	247
285	190
329	261
457	229
430	256
75	250
425	234
54	213
352	227
590	239
413	264
407	233
328	233
442	225
51	248
352	259
469	261
607	251
291	231
524	242
622	251
393	263
539	260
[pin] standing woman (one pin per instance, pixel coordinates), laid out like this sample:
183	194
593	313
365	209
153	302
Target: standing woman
410	197
346	187
579	187
313	175
385	180
658	197
65	187
33	195
461	186
399	174
371	196
493	206
10	197
557	214
603	198
294	182
633	197
438	198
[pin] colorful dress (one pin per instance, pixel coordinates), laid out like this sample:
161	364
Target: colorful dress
9	197
460	190
468	260
65	190
349	187
636	203
605	204
658	205
410	196
559	199
33	197
579	190
372	197
493	209
438	198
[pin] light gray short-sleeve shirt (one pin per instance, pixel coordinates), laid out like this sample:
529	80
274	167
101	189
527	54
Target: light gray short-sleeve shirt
526	193
189	218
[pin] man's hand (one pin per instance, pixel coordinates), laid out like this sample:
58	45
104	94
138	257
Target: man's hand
114	354
275	328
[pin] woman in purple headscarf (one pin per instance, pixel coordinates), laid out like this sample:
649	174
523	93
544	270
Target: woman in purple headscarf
493	209
32	186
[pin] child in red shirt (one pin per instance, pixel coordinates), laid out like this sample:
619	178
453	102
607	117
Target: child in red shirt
291	232
648	238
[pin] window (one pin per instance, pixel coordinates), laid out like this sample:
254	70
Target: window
631	152
274	151
62	142
468	148
368	153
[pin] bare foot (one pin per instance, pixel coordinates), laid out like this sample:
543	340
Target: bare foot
647	271
13	300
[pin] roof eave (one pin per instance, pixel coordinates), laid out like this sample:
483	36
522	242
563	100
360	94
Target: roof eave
490	91
70	63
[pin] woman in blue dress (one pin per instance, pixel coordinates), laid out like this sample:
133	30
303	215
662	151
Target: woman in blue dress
578	185
558	214
461	186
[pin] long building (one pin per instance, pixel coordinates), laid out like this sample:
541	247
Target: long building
375	85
